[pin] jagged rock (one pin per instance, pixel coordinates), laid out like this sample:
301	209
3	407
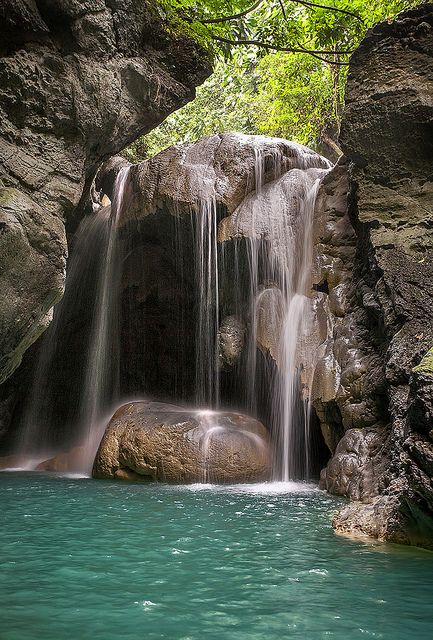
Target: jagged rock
383	319
78	83
156	441
420	411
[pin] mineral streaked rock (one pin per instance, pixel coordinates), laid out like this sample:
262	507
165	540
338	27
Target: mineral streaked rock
156	441
79	81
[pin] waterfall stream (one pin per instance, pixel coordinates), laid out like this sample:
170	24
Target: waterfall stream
92	289
102	375
275	222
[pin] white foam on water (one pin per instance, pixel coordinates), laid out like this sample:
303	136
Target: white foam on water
259	488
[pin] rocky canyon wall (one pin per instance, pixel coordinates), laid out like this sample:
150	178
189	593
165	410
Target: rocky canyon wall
376	385
79	81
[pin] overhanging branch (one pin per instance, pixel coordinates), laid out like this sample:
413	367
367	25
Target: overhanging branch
235	16
305	3
273	47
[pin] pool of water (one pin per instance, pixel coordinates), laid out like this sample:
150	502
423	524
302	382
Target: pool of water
86	559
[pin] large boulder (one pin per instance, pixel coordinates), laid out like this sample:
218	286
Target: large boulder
79	81
167	443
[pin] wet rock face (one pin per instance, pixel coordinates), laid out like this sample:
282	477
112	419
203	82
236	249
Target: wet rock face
167	198
151	441
358	463
219	168
380	288
78	82
231	341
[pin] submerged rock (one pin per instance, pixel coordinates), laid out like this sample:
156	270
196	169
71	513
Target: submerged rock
154	441
69	461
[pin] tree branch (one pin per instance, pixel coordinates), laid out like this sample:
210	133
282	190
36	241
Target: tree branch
235	16
274	47
305	3
283	11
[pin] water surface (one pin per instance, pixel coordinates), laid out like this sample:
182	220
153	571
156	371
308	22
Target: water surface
84	559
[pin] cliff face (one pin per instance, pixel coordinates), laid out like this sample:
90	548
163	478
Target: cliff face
380	394
78	82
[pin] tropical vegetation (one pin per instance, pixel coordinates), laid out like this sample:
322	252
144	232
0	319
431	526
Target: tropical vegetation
279	68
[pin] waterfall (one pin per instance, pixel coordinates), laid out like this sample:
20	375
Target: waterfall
293	457
206	269
275	225
90	299
248	273
102	375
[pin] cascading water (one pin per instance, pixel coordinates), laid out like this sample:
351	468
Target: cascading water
275	222
268	299
39	424
206	258
102	383
293	454
92	288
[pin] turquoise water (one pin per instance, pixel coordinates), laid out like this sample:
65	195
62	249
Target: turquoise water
84	559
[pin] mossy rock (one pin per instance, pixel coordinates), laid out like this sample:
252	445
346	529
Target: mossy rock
426	364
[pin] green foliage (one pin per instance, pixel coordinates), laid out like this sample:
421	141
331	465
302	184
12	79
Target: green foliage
426	364
255	90
294	98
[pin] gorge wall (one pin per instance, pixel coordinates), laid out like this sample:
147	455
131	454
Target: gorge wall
378	260
79	81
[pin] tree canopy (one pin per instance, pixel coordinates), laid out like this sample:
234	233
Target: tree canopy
279	68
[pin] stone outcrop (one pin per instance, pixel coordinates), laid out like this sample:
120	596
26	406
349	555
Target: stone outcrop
220	169
151	441
79	81
373	386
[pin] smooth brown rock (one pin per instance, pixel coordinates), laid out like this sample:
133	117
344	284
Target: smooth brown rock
153	441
